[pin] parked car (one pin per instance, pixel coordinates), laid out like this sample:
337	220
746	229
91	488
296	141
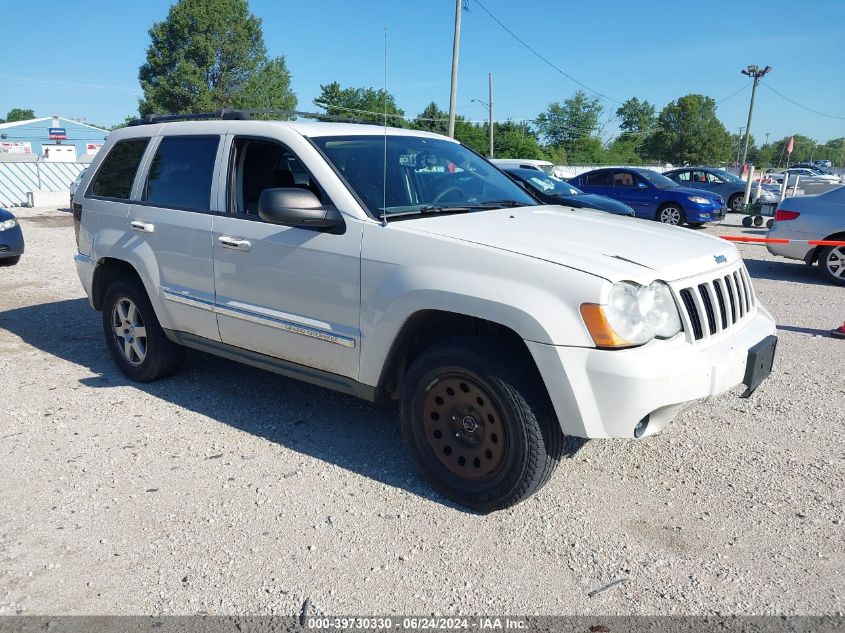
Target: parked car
551	190
806	175
524	163
653	196
823	164
395	263
726	184
816	217
75	184
11	239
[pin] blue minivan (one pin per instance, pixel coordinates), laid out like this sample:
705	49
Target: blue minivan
653	196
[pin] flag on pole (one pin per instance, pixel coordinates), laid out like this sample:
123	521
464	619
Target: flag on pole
790	144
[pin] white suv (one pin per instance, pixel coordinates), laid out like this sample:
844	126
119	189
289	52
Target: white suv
396	263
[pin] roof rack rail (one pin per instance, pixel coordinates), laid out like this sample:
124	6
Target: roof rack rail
229	114
225	114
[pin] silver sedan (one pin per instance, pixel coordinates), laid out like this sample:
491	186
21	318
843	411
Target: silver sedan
819	217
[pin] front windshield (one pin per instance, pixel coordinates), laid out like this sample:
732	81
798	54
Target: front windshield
551	185
726	175
422	174
658	180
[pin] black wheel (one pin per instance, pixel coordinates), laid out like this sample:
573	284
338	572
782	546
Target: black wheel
770	223
671	214
735	203
9	261
479	424
133	334
832	264
747	221
758	220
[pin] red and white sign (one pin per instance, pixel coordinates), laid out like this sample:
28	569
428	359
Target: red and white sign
93	148
15	147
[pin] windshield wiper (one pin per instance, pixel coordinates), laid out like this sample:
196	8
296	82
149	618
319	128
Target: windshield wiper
457	208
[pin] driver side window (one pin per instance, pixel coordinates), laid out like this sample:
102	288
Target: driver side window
257	165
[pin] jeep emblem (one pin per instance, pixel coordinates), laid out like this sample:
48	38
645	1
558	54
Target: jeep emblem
720	259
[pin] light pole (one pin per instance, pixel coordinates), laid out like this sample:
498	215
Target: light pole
738	146
489	123
757	73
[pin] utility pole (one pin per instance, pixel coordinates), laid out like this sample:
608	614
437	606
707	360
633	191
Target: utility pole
767	138
456	44
738	147
757	73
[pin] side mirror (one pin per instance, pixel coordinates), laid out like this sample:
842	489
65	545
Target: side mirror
298	207
641	185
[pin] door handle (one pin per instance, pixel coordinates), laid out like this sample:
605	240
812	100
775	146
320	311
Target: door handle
234	243
143	227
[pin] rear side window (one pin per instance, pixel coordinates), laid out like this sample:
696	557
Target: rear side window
181	171
600	179
114	179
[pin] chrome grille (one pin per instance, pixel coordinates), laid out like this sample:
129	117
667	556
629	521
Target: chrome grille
711	305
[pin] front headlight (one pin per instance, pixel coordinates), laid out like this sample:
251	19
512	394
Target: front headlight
633	315
8	224
698	200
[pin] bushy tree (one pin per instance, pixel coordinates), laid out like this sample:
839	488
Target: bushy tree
19	114
690	133
636	117
432	119
362	104
565	123
210	54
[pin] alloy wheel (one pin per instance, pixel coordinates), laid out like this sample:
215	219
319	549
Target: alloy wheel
670	215
835	262
130	334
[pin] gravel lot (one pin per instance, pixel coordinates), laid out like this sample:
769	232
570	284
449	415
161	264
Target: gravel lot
229	490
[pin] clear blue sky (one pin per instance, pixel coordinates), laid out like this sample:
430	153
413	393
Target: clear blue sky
620	48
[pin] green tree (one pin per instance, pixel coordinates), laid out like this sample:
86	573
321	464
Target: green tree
690	133
432	119
564	124
19	114
362	104
515	140
637	117
210	54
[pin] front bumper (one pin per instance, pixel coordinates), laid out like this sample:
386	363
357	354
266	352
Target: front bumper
605	393
11	242
706	213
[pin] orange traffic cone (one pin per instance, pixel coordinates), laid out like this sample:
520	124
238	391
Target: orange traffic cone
838	333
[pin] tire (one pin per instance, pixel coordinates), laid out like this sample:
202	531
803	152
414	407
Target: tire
671	214
142	358
758	220
832	264
9	261
735	203
747	221
479	424
770	223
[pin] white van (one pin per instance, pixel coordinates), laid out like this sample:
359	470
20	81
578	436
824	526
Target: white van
524	163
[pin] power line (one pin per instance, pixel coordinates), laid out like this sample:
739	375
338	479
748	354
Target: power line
792	101
539	56
732	95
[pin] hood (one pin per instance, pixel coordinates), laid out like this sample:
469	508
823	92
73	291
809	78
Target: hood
5	215
602	203
689	191
605	245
